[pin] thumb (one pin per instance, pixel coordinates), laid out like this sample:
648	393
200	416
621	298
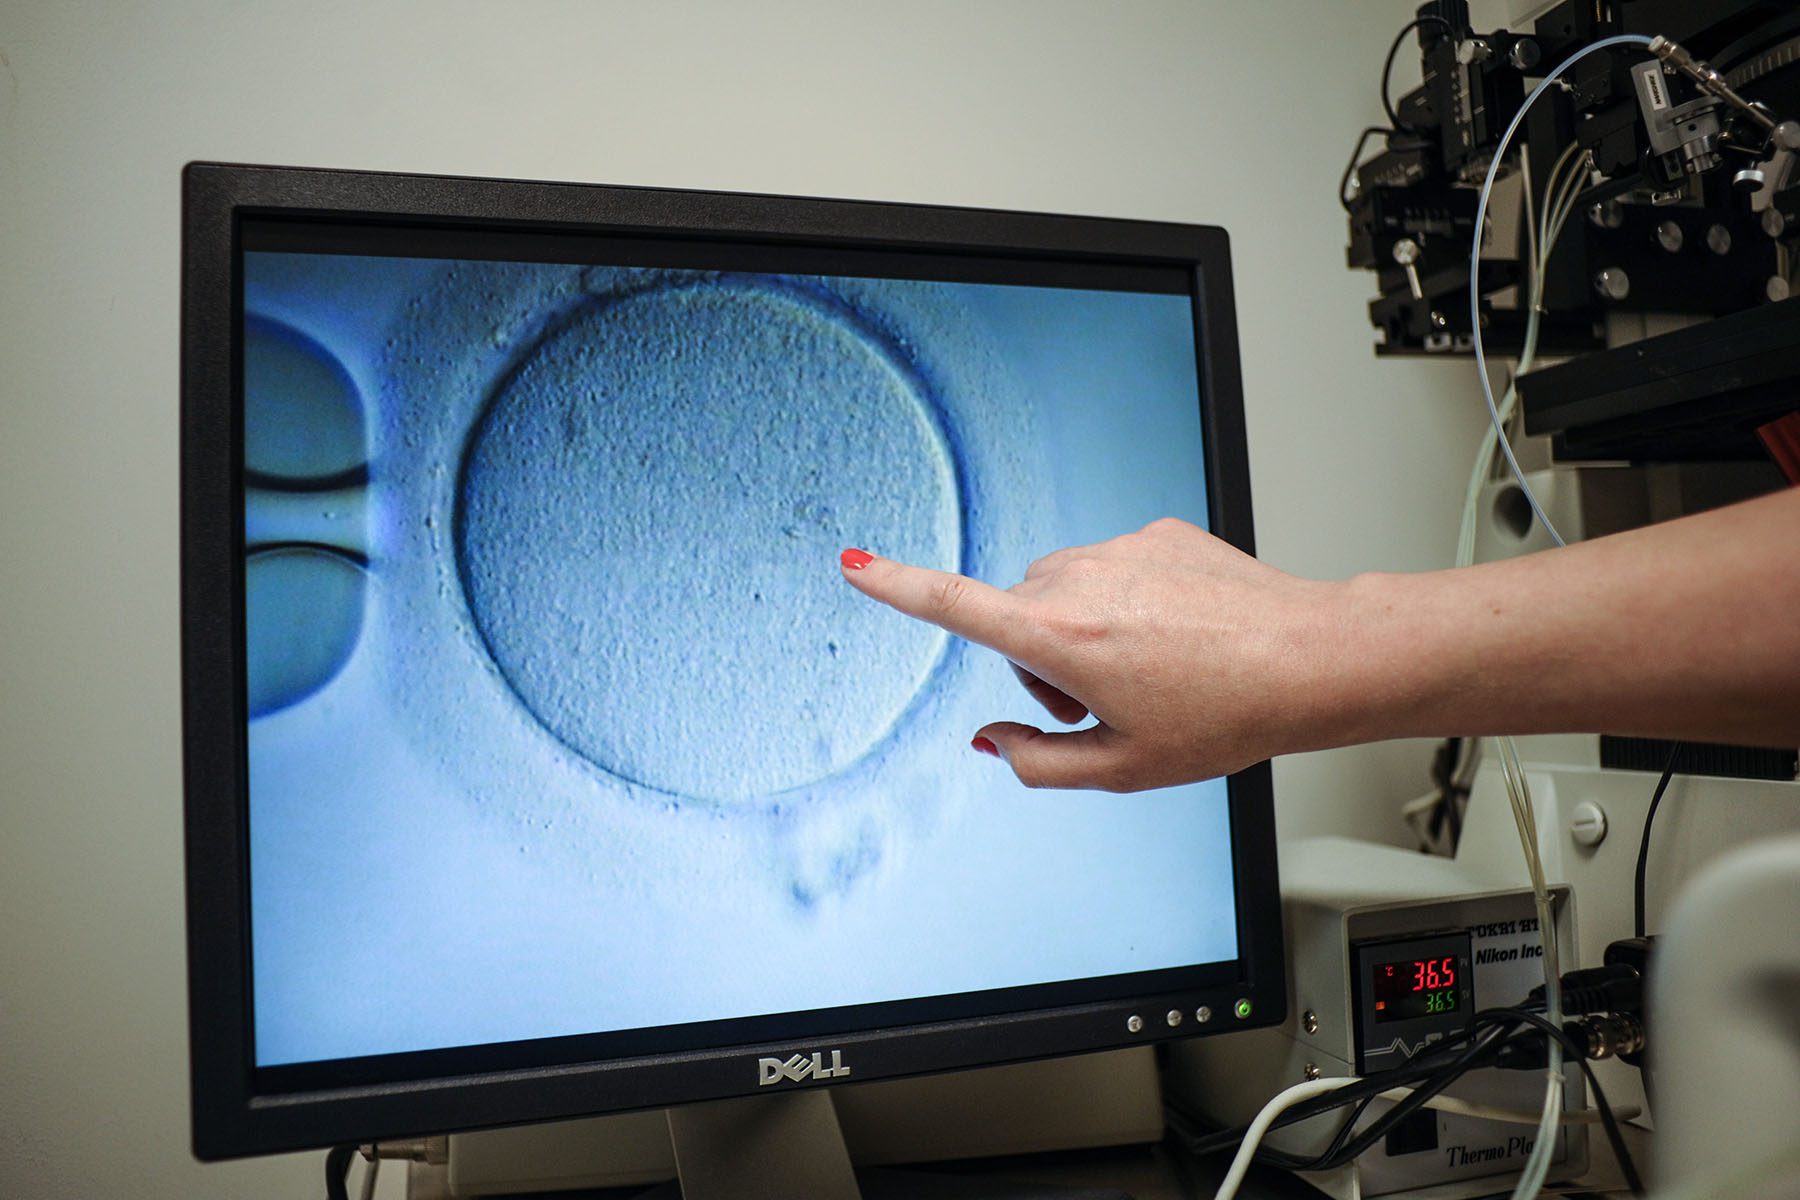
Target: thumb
1085	758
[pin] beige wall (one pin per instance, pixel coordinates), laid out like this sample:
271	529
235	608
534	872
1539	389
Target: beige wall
1228	113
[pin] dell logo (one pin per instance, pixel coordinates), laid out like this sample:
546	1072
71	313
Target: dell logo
800	1067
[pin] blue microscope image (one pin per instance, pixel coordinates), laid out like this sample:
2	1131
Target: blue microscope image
647	511
543	617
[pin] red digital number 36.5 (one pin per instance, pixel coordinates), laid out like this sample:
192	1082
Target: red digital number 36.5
1433	973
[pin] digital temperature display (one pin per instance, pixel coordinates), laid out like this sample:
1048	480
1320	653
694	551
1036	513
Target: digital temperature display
1410	989
1414	987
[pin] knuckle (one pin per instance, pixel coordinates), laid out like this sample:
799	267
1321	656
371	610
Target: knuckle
1114	776
1030	771
946	594
1074	626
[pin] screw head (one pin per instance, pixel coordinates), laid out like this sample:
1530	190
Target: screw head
1309	1021
1134	1023
1669	236
1587	824
1607	214
1718	240
1173	1017
1473	50
1311	1071
1203	1014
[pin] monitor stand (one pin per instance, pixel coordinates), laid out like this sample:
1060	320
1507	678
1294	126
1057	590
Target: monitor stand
784	1145
790	1145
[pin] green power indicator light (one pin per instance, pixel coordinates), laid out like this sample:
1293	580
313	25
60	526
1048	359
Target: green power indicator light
1243	1009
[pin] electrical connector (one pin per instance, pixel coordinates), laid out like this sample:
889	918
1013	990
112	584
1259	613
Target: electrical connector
1600	1035
1610	989
1615	987
1610	1035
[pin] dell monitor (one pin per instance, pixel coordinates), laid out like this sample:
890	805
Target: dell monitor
539	763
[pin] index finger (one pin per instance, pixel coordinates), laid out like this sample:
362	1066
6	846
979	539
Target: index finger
966	607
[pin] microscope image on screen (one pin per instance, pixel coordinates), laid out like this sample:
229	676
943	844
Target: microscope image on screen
556	694
649	494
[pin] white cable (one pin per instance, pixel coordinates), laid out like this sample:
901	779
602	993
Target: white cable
1537	1167
1543	1150
1481	207
1286	1099
1511	1116
1528	206
1543	241
1282	1101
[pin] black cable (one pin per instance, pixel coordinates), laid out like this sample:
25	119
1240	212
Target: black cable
1387	67
1608	1121
1348	1127
1366	1087
337	1172
1643	858
1344	1148
1446	770
1422	1069
1350	167
1508	1018
1404	1108
1426	1084
1454	795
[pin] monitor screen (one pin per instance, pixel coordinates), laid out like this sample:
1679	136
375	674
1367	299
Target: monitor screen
562	738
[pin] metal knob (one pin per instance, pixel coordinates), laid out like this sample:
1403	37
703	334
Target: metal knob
1718	240
1524	55
1613	283
1470	51
1669	237
1606	215
1406	253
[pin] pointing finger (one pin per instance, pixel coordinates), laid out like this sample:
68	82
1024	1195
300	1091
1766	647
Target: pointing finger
964	606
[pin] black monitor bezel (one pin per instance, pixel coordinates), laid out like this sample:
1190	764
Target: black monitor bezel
236	1109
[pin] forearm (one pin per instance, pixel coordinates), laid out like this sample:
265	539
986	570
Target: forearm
1688	629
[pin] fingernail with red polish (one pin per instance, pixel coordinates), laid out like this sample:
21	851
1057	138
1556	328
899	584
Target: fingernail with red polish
856	560
986	747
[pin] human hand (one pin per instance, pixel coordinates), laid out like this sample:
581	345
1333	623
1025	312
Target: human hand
1195	659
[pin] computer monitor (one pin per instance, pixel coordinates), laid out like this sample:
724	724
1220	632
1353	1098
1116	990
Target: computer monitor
539	761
